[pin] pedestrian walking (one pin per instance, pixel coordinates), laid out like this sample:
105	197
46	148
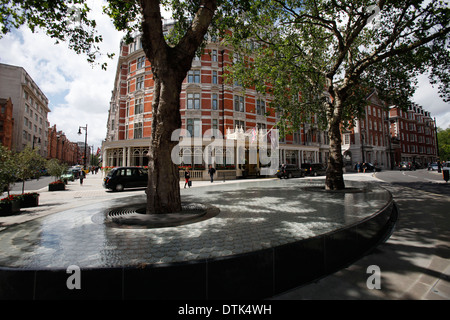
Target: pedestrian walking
82	174
187	177
211	172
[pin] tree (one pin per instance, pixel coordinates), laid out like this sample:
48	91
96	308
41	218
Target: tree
321	57
170	62
55	168
8	169
444	144
29	164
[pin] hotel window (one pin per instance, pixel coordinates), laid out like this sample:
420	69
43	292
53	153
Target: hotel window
239	124
141	62
260	107
214	55
297	136
215	101
214	77
346	138
138	106
239	104
140	83
194	76
215	124
194	127
193	101
138	130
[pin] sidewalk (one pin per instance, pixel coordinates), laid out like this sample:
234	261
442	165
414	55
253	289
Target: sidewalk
91	191
414	263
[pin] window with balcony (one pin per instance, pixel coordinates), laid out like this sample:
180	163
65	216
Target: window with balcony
239	124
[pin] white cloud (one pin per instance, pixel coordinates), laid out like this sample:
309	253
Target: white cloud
79	93
428	97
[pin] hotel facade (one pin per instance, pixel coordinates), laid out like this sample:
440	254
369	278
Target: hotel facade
207	104
234	114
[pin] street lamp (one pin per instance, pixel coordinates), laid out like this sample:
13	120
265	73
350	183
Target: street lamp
85	142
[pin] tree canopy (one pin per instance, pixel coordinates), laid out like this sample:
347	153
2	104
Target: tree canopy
444	143
324	57
317	50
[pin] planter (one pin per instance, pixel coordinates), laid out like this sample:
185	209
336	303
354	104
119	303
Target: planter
29	200
10	208
56	186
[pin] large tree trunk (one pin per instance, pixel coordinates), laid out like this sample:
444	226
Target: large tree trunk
335	176
170	66
163	190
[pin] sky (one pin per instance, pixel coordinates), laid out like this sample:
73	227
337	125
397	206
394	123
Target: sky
79	94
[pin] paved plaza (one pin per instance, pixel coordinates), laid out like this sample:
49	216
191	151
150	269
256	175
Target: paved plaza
254	215
68	228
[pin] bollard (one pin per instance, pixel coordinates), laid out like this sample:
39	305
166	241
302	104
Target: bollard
445	174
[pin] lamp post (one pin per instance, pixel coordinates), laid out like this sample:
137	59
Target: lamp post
85	142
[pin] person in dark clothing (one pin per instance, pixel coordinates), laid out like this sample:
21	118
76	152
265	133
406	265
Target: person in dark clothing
82	175
187	177
211	172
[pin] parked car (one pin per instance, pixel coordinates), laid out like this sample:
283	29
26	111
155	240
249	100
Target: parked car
406	166
314	169
68	176
418	165
290	171
433	167
372	167
125	177
76	172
